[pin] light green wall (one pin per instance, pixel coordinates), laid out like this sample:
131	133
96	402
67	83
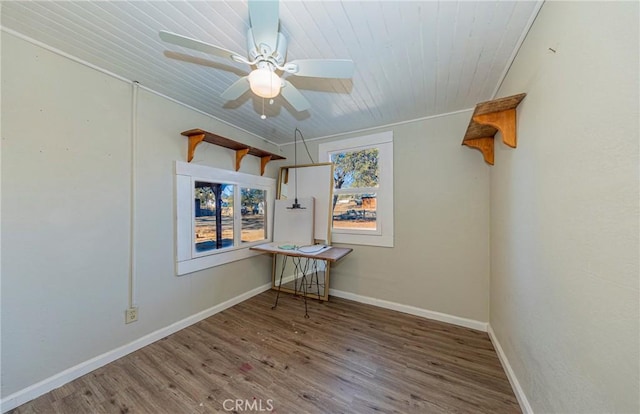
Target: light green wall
66	148
440	260
564	212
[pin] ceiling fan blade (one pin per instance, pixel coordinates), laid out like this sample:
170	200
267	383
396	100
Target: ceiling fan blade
204	62
236	89
294	97
264	16
201	46
321	68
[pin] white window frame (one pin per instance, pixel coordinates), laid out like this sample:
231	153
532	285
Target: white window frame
383	235
187	259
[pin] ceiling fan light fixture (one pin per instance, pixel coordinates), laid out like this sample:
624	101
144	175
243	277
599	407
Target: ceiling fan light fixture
267	53
264	83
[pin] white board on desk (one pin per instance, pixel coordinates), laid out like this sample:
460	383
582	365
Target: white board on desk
294	225
311	180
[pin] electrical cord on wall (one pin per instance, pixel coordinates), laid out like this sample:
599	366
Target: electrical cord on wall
297	131
133	233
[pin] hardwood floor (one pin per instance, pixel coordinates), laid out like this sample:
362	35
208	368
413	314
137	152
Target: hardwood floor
347	358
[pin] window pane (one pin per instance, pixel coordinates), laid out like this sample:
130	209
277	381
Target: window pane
354	211
354	169
213	216
253	214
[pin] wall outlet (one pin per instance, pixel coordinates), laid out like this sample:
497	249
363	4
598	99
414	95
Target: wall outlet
131	315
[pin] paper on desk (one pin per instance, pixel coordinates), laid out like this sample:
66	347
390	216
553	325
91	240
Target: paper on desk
310	250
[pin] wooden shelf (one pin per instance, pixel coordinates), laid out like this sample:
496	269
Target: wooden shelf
490	117
196	136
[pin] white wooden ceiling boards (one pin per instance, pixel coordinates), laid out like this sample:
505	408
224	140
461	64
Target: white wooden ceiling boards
413	59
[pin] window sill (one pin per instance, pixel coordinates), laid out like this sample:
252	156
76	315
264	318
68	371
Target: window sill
363	239
217	259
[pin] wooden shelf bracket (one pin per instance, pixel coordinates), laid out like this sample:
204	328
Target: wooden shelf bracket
239	156
196	136
484	145
194	140
488	118
264	160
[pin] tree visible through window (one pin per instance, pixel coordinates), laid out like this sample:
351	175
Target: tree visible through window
355	183
220	214
213	216
363	188
253	214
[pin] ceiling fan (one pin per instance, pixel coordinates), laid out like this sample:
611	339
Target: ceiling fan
267	50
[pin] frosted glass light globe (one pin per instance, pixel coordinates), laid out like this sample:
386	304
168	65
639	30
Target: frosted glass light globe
264	83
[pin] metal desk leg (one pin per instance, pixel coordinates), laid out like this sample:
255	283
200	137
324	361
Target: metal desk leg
284	265
314	272
303	280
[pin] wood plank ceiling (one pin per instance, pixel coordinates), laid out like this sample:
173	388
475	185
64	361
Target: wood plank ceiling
413	59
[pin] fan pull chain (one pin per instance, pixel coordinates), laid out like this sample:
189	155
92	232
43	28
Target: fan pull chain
263	116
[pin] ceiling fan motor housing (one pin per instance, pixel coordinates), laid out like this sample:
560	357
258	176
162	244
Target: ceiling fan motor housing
265	52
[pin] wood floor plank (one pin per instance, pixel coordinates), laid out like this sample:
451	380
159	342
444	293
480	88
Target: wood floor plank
346	358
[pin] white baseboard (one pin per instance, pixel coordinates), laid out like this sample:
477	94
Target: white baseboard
515	384
412	310
34	391
27	394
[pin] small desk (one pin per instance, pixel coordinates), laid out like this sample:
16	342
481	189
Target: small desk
303	270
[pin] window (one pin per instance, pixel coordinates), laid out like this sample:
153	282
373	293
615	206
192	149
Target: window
355	181
220	214
363	189
213	215
253	215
